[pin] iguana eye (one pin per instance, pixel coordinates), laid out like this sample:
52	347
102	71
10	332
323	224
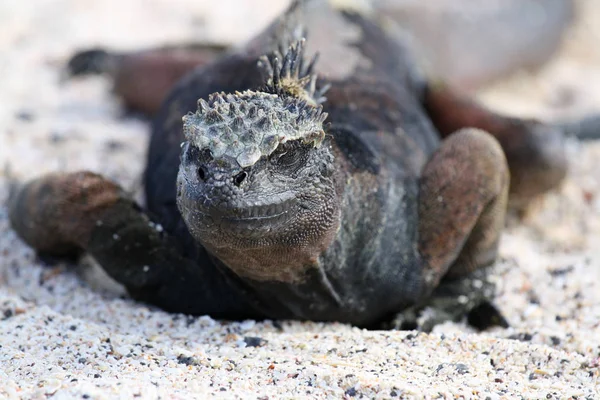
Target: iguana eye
239	178
290	158
201	173
287	155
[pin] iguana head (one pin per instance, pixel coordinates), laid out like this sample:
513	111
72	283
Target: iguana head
256	185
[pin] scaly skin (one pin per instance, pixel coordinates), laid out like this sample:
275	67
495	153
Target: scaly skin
283	204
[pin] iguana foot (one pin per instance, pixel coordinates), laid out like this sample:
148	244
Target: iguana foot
471	296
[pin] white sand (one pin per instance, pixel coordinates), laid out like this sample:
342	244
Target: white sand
60	338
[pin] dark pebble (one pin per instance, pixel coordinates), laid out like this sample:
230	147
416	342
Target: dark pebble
254	341
181	359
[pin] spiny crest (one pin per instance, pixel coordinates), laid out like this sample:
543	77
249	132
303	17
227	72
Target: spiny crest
249	125
290	75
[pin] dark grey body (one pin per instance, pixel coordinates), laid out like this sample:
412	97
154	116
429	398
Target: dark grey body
381	137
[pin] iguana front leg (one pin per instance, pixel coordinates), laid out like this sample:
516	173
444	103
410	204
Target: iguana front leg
462	206
64	213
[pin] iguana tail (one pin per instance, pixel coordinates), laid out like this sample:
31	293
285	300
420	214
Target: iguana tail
586	128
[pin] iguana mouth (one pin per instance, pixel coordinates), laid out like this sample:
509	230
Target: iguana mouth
249	223
261	213
257	218
250	227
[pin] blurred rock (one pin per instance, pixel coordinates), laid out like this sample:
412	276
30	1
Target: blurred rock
470	43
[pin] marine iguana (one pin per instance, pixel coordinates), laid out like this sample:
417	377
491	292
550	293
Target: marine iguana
280	186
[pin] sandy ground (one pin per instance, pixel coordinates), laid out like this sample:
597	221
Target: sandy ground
61	338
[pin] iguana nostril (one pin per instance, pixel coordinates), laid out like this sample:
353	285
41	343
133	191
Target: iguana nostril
201	173
239	178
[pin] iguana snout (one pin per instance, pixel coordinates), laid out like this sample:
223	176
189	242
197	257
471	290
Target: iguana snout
230	197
